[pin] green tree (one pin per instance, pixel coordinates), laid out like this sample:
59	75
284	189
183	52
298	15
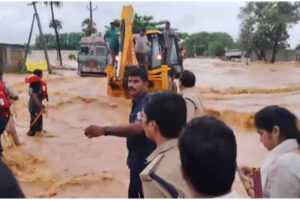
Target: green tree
147	22
269	22
74	39
88	27
142	21
55	24
216	48
205	43
67	41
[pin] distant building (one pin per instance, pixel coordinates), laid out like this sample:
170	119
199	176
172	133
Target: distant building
281	55
298	54
10	56
234	54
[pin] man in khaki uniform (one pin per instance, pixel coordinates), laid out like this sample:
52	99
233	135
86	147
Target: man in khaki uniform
163	116
192	97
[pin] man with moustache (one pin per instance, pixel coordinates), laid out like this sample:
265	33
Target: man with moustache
139	147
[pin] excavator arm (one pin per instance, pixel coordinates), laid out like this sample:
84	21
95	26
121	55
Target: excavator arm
127	55
116	80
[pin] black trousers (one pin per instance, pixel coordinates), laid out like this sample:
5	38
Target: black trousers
142	59
135	185
38	125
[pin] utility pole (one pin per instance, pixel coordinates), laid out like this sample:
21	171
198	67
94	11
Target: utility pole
91	9
28	44
247	48
42	36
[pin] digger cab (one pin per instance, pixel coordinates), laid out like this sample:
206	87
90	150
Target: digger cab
157	57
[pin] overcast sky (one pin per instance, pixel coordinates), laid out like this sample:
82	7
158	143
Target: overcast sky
191	17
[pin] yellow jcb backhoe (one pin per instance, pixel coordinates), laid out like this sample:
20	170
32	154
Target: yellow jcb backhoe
161	75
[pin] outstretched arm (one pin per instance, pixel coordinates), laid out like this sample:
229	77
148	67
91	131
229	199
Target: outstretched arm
134	129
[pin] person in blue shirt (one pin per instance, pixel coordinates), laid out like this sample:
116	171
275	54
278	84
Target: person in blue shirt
139	147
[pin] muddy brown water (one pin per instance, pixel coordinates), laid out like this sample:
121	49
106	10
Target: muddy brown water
64	163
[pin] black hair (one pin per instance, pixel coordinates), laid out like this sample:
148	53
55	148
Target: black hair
38	72
208	154
143	29
274	115
168	110
139	72
168	23
187	78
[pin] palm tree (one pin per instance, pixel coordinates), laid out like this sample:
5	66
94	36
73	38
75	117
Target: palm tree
55	24
88	26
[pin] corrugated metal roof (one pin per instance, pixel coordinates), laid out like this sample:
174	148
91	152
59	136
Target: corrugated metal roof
15	45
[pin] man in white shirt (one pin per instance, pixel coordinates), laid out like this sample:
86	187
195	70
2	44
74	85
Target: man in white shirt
141	46
208	153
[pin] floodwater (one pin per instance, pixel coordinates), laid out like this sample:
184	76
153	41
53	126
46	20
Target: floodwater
62	162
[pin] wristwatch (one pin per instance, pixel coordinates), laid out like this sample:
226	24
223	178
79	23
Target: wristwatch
107	130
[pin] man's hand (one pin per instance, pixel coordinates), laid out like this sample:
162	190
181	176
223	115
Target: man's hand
247	171
94	131
246	176
44	109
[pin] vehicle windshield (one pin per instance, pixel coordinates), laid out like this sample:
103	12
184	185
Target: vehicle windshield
173	55
84	50
100	51
156	57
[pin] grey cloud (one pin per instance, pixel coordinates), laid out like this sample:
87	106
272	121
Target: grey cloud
191	17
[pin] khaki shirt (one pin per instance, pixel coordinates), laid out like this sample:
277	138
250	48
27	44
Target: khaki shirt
193	102
162	177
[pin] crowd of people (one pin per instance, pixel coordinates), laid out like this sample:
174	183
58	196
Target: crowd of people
176	150
142	44
9	187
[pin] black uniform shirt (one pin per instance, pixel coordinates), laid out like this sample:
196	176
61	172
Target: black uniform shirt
139	147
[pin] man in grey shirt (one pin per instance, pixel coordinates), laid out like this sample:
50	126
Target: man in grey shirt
168	41
141	46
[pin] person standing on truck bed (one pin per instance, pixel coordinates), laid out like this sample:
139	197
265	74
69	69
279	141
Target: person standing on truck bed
141	45
113	40
168	34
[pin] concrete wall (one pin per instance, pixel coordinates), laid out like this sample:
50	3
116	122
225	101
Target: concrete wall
10	57
281	55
